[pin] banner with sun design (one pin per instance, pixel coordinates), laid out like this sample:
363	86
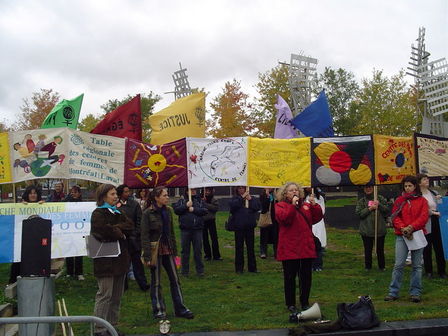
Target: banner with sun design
342	161
394	158
217	162
432	155
273	162
148	166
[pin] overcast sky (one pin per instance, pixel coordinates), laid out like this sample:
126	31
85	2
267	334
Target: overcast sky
109	49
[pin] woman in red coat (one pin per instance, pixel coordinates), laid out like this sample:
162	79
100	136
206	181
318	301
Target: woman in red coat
296	248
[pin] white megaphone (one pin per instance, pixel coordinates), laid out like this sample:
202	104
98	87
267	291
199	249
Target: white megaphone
312	313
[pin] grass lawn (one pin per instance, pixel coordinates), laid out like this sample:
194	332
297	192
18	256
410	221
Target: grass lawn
223	300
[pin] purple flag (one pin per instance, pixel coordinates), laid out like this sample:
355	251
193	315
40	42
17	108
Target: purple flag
283	127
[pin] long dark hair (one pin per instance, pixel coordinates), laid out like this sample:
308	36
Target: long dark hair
411	179
28	190
156	192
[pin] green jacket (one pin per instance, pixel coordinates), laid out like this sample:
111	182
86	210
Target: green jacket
151	230
367	217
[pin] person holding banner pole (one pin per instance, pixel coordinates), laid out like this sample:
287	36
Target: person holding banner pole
433	236
409	217
212	205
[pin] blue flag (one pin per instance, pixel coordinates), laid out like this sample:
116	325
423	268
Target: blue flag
315	119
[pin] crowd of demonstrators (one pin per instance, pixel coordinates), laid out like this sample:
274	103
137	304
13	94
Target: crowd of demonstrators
32	194
109	224
268	234
433	234
211	203
372	223
133	211
244	222
57	194
142	197
191	223
157	232
296	248
409	215
319	230
74	265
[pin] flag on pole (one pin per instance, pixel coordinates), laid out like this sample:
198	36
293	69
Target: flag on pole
64	114
123	122
283	127
185	117
315	120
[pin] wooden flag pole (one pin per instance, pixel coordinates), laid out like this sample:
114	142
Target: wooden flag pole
70	329
246	204
64	333
14	192
189	194
375	198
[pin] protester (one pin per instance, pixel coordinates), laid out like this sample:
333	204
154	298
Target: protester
433	234
74	265
32	194
244	223
157	228
268	234
211	203
409	215
369	211
191	223
319	230
296	249
57	195
142	198
133	211
108	224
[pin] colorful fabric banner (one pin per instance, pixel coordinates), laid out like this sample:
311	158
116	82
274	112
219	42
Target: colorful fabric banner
95	157
217	162
183	118
123	122
70	223
443	221
342	161
64	114
283	127
432	155
148	166
39	154
394	158
5	162
273	162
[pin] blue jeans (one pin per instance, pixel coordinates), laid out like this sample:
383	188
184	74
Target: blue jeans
401	252
188	238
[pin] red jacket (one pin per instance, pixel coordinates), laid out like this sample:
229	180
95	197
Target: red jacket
415	212
295	236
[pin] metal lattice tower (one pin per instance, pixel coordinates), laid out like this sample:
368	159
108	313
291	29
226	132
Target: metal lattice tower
432	79
181	85
302	80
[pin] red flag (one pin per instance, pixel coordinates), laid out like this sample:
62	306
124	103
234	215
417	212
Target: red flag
123	122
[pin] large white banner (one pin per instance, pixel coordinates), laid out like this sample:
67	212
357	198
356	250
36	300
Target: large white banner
217	162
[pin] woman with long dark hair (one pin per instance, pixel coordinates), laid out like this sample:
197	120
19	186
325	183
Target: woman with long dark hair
409	215
157	230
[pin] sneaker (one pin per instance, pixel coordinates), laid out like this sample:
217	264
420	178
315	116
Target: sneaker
390	298
81	277
263	256
415	298
160	316
188	314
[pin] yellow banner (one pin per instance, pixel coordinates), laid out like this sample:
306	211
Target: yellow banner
183	118
394	158
273	162
5	162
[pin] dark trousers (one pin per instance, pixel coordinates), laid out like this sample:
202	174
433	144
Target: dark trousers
138	269
245	236
368	248
434	241
302	269
318	263
188	238
14	272
210	228
74	265
268	235
158	304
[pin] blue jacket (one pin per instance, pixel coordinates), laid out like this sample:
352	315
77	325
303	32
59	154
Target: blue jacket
244	218
191	220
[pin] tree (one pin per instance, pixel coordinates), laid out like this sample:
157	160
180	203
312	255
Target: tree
341	89
271	83
231	113
385	106
147	106
36	109
3	127
89	122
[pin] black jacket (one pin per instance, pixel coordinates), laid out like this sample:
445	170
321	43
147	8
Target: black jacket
244	218
212	208
133	211
191	220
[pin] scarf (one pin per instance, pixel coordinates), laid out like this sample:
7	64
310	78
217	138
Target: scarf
401	201
112	208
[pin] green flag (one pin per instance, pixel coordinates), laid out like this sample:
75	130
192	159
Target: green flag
64	114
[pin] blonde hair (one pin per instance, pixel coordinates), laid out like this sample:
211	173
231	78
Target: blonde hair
281	193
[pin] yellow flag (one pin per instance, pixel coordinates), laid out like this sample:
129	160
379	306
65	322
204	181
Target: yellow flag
5	165
273	162
183	118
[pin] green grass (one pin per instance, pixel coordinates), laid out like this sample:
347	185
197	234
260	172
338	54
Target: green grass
340	202
223	300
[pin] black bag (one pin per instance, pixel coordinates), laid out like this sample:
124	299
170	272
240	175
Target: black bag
358	315
230	223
